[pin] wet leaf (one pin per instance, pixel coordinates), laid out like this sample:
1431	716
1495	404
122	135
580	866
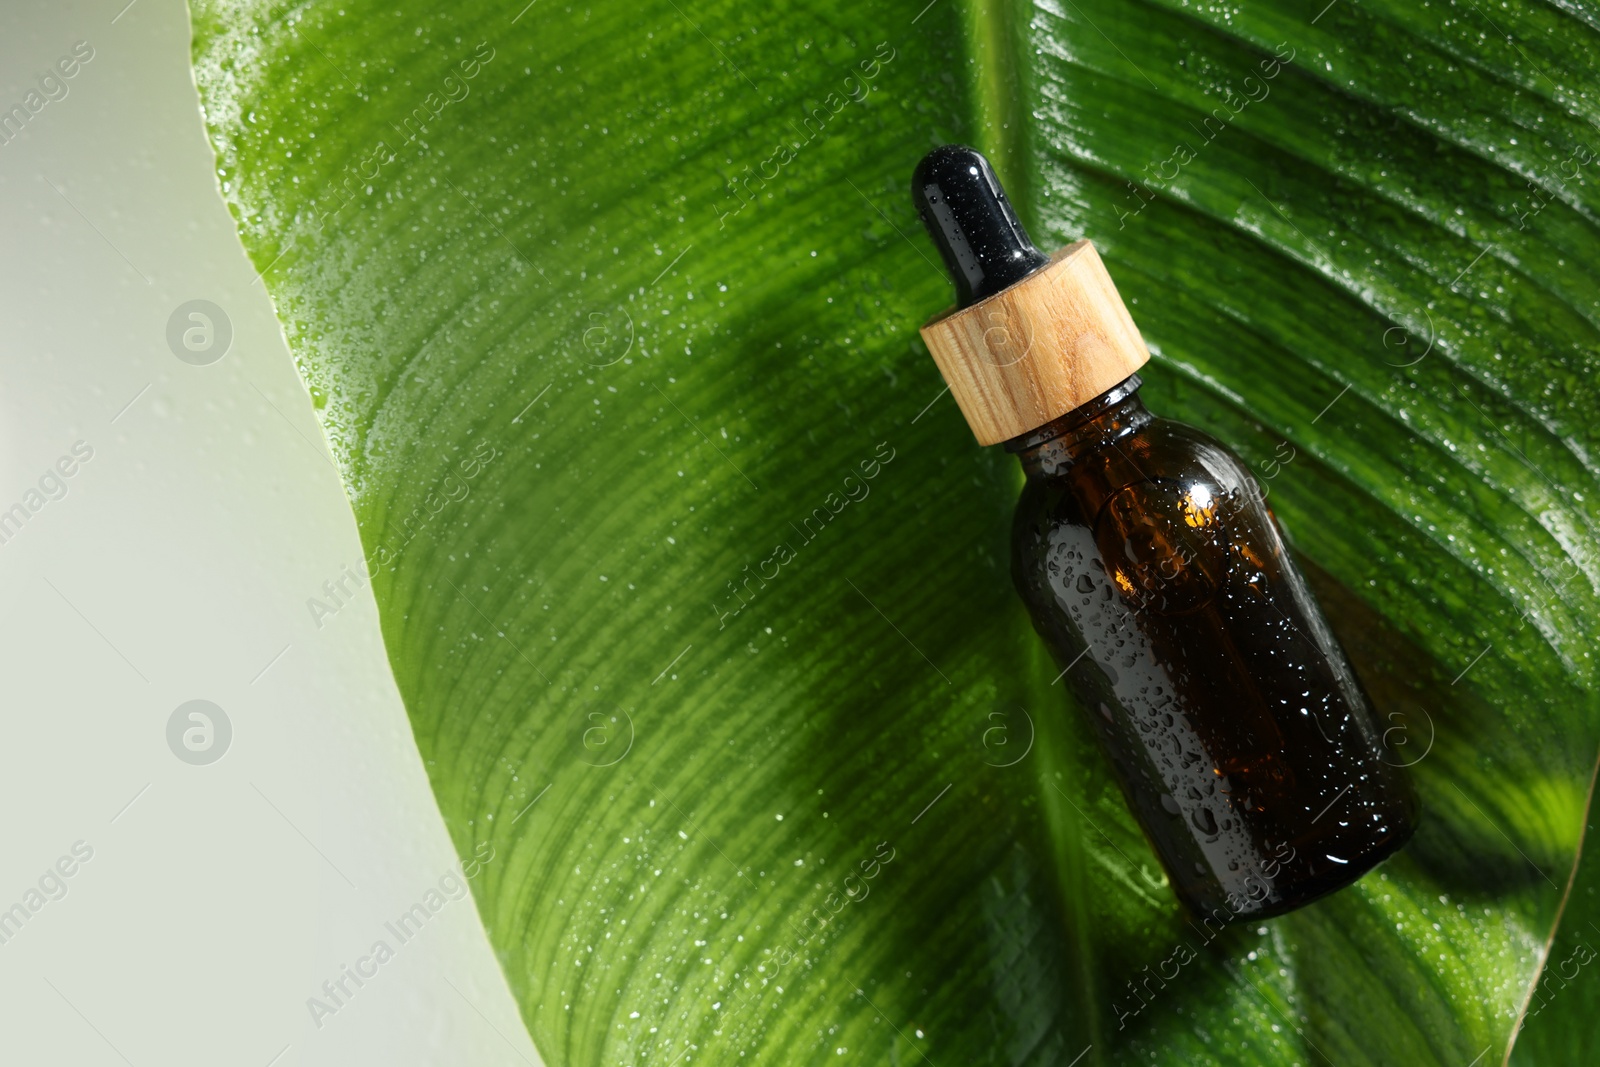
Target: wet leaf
695	584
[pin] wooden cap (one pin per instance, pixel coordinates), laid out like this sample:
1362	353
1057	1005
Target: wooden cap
1031	353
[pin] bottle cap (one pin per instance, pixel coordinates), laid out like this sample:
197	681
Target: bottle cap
1032	337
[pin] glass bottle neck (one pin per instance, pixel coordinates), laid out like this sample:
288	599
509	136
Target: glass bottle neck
1061	442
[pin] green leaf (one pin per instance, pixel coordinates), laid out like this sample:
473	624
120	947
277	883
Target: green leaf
696	586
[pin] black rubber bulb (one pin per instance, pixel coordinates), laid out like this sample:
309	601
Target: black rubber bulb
968	216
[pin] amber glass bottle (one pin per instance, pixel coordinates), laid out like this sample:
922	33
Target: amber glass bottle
1154	571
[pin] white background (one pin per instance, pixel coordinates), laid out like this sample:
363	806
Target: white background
178	567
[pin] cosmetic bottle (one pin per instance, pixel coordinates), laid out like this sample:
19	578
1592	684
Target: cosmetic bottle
1156	574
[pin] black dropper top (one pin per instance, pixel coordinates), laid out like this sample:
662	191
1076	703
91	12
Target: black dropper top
968	216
